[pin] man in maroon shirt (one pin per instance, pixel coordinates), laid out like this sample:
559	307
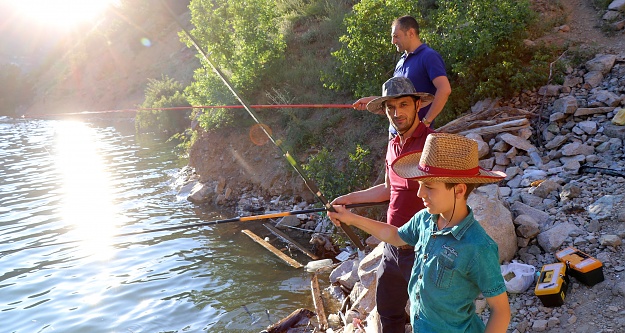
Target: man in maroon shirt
401	103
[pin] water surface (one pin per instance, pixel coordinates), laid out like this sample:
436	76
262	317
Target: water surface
67	188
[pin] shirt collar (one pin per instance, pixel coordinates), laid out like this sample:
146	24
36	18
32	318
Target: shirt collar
459	229
417	50
417	134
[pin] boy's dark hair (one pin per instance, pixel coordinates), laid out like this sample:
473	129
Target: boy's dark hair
406	23
470	188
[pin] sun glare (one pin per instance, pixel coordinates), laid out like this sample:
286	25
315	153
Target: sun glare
87	194
63	14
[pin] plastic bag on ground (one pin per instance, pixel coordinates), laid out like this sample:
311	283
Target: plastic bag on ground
518	277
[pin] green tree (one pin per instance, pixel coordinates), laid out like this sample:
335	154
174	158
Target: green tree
242	39
366	56
480	41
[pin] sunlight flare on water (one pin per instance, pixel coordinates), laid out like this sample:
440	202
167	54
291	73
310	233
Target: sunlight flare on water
87	195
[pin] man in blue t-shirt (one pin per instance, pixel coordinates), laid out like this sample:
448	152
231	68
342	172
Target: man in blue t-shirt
421	64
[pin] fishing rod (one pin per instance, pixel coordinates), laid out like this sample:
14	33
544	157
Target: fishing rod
204	224
258	106
311	186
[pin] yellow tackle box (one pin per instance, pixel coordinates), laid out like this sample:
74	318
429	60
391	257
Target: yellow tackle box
584	268
552	284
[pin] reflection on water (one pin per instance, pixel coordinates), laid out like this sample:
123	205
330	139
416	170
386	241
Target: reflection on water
87	202
67	188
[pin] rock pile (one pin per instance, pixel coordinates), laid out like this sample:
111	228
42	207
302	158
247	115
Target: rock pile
614	17
564	188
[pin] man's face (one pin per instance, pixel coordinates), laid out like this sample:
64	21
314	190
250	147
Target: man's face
399	38
402	112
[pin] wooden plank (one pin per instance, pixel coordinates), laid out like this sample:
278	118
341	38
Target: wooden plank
318	302
272	249
288	239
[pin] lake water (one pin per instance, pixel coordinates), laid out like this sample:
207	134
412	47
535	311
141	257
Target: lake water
67	188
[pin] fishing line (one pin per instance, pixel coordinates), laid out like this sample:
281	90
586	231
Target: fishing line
311	186
201	224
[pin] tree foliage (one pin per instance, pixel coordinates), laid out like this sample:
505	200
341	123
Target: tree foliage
242	39
480	41
16	89
367	57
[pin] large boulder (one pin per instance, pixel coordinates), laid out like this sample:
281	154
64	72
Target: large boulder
552	239
495	218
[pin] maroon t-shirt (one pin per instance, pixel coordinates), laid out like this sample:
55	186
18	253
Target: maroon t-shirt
404	202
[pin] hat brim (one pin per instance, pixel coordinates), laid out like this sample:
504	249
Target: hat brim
375	105
407	166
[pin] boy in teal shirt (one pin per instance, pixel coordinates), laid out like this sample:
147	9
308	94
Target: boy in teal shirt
455	259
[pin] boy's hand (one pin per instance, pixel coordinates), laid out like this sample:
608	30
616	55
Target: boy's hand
338	215
342	200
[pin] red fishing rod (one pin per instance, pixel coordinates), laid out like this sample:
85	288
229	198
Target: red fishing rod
311	186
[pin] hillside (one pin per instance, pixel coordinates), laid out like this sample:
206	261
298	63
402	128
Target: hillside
114	76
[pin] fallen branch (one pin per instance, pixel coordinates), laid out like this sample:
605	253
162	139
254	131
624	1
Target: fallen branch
603	171
487	117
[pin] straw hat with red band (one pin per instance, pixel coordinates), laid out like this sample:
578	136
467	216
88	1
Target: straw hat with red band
446	158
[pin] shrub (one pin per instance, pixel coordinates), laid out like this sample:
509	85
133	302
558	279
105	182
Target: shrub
334	179
163	93
366	57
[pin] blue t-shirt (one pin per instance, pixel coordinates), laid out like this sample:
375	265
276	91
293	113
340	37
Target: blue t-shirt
421	67
452	267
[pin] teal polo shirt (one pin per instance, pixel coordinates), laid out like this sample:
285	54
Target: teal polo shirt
452	267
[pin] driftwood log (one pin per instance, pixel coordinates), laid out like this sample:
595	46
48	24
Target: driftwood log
290	321
318	302
489	121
